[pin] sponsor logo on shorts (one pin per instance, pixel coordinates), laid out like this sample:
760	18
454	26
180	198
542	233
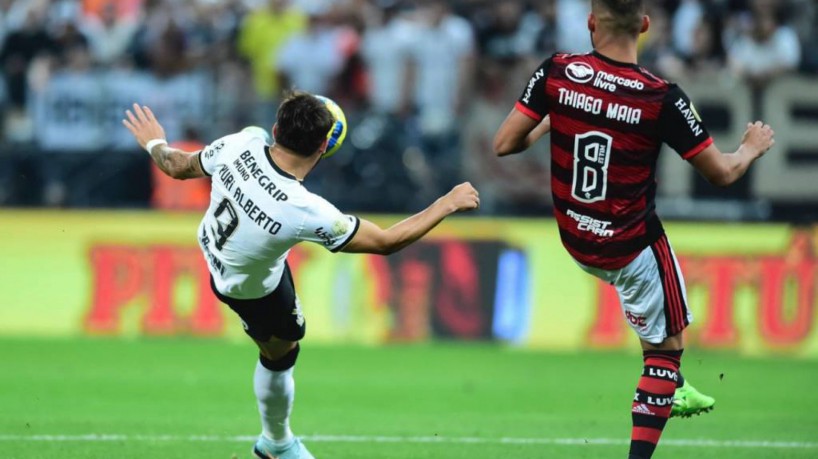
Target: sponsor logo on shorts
636	320
579	72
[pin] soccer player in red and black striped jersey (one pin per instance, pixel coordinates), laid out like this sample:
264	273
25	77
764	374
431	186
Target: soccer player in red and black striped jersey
608	119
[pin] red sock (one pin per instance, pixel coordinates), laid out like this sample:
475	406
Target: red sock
653	401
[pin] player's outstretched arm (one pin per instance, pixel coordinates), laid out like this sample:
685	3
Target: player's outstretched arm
518	132
370	238
724	169
148	132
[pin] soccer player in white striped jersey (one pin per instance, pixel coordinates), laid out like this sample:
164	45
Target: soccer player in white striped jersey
259	209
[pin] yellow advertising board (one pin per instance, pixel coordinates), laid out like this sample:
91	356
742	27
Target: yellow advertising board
752	288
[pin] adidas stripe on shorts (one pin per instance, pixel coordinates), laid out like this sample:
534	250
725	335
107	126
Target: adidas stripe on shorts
651	291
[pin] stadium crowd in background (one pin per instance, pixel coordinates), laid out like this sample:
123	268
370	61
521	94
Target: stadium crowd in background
424	82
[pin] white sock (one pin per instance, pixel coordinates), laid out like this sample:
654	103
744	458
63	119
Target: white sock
275	391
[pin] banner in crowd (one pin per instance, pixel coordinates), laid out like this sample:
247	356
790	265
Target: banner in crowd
752	288
83	111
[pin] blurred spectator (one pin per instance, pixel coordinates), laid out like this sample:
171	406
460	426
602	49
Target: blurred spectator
66	105
5	21
74	125
166	50
310	60
349	87
686	21
806	21
656	47
19	49
211	30
507	35
707	56
572	32
262	34
765	47
385	49
443	53
544	19
66	37
517	185
109	33
160	43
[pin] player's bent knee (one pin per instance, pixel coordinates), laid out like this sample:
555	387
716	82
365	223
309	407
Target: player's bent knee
671	343
274	348
282	361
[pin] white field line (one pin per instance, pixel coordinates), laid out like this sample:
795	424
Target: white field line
400	439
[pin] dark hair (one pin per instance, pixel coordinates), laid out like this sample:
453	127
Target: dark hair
303	123
625	15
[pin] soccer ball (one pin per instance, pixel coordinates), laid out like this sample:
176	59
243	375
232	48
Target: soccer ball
338	132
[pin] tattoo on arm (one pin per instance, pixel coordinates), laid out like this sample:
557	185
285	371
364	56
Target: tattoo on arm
177	163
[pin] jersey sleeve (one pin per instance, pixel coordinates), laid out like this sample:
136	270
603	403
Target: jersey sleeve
534	101
324	224
680	125
209	156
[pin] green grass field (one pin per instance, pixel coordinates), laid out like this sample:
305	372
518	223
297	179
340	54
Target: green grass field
193	398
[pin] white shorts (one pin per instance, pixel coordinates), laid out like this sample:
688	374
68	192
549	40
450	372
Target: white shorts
651	291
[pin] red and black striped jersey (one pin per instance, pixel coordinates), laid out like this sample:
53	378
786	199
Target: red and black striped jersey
608	123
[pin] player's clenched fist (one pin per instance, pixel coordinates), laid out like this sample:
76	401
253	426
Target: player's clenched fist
759	136
463	197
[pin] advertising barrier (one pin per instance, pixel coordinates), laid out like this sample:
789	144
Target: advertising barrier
752	288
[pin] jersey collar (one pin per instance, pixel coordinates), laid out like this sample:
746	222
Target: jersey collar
607	59
279	170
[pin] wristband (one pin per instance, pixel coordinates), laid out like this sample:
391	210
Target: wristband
152	143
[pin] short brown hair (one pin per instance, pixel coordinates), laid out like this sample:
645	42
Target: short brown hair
620	16
303	123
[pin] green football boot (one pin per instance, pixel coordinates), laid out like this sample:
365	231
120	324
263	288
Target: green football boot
688	401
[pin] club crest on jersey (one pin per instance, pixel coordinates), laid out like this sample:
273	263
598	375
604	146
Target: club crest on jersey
579	72
339	228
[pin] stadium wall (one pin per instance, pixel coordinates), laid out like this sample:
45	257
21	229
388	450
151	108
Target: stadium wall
752	288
